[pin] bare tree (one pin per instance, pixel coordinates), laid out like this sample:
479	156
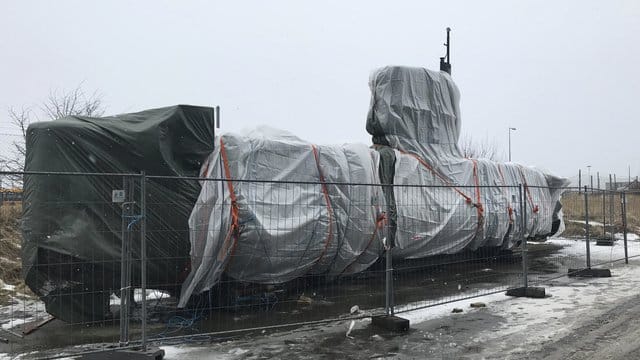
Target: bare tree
57	105
74	102
482	149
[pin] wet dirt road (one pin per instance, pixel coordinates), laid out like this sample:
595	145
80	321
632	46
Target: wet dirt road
580	319
612	335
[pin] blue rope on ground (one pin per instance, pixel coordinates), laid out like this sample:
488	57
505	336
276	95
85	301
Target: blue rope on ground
135	220
178	323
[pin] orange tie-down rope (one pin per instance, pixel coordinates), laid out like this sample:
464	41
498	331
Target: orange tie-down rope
509	208
381	220
468	199
535	208
325	192
229	245
478	198
476	179
442	178
234	229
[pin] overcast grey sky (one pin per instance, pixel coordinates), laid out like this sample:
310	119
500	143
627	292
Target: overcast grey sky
566	74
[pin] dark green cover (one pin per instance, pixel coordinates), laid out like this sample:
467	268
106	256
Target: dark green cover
71	228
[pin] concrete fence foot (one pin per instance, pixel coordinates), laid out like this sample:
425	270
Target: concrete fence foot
152	353
391	323
529	291
590	272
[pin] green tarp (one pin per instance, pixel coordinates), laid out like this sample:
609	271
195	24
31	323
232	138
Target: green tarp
71	227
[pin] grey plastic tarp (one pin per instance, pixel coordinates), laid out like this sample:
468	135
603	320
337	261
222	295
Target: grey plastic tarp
472	203
415	122
439	220
298	222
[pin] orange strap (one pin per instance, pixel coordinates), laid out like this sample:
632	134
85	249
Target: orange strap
527	191
234	229
509	208
476	179
328	202
203	173
380	221
446	181
478	205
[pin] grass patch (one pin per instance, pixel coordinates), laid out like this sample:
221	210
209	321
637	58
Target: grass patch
10	252
600	207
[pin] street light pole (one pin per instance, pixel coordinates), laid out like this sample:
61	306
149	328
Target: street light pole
511	128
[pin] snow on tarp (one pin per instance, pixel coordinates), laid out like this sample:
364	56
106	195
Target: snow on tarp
268	232
297	222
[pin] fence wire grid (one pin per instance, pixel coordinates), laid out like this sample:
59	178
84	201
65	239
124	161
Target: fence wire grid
113	265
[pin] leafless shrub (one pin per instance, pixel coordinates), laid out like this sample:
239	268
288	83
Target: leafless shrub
57	105
479	149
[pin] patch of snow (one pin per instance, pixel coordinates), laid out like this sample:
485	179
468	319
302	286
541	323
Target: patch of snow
630	236
533	321
20	310
151	294
50	286
238	351
442	310
592	223
599	254
193	353
8	287
16	322
114	300
10	261
137	297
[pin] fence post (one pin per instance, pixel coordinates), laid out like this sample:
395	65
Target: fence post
143	255
125	262
390	321
389	306
586	222
523	215
623	198
525	290
611	210
588	272
604	214
129	218
579	180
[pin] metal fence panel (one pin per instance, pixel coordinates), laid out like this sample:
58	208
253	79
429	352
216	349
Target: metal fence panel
276	277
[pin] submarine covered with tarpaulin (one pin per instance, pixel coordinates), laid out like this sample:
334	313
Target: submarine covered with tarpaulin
267	207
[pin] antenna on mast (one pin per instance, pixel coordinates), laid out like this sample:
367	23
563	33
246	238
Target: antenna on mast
445	62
